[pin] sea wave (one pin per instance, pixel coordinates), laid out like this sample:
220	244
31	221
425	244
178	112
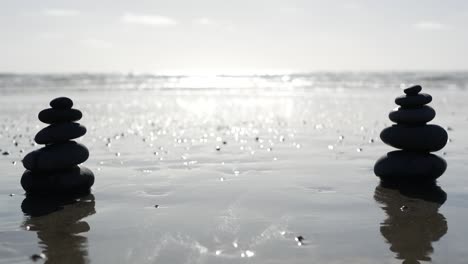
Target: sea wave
319	80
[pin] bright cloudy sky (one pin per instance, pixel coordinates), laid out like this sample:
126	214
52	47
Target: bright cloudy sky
232	36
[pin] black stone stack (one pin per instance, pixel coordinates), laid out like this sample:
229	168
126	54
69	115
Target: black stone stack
416	139
53	169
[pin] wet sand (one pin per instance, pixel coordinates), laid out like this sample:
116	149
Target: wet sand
227	176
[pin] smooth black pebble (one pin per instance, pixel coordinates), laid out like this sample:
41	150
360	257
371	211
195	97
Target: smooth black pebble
60	132
57	156
52	116
75	180
426	138
413	100
405	166
412	116
61	103
413	90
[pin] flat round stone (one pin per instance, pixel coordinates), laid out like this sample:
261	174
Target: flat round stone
60	132
56	156
413	100
71	181
411	167
412	116
52	116
426	138
413	90
61	103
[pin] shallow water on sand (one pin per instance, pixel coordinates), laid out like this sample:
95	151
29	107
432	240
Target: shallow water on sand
231	176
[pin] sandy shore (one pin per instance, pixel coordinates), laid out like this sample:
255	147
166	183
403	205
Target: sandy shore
236	177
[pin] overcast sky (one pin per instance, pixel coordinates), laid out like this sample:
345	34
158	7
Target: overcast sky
223	36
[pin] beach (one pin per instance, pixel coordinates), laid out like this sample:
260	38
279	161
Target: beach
223	171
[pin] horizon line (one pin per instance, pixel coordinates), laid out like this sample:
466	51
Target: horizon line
231	73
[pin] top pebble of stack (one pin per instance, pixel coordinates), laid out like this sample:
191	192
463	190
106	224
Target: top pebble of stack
61	103
413	90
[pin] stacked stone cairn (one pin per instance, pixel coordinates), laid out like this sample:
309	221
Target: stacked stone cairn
413	163
54	169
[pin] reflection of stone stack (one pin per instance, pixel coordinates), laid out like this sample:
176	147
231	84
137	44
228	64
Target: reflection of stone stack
413	163
54	168
60	225
411	231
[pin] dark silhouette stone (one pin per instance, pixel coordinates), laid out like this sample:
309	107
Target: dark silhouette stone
61	103
60	132
409	167
413	90
71	181
412	116
56	156
52	116
413	100
426	138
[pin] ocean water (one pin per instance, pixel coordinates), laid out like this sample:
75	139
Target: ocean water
325	80
234	169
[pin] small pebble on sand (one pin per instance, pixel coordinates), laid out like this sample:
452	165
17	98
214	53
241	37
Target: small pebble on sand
299	238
